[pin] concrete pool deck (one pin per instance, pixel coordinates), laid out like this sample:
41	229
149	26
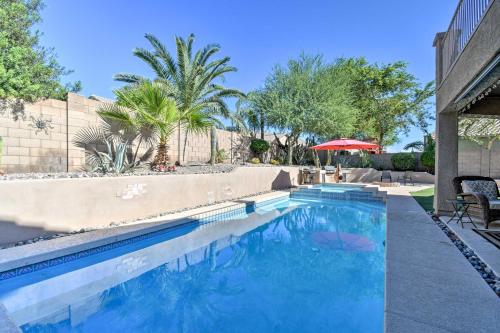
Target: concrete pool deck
430	285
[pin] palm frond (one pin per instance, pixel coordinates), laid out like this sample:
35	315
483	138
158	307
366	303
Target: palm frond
128	78
162	53
147	155
190	42
90	136
153	61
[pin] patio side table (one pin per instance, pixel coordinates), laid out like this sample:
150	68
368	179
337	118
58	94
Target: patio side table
461	207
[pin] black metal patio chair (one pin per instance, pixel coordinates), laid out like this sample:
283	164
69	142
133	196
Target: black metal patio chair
386	174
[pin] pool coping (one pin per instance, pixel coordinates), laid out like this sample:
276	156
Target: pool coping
429	285
6	323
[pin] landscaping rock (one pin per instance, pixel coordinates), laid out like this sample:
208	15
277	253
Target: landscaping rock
482	268
188	169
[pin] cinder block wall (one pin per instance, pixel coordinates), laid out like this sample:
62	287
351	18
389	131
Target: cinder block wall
27	148
379	161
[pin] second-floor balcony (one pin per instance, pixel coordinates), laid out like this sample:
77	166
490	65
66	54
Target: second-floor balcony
467	17
468	54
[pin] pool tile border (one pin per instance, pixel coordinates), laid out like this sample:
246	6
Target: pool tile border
74	256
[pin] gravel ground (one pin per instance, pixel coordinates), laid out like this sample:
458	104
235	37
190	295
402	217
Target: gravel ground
481	267
188	169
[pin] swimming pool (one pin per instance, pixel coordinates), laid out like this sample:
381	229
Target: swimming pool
285	266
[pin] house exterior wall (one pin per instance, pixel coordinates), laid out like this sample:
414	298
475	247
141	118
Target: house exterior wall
478	53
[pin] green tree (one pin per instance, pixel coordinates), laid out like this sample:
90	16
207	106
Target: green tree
308	97
390	100
28	71
193	79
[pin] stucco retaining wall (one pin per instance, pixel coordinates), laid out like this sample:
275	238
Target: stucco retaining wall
370	175
29	208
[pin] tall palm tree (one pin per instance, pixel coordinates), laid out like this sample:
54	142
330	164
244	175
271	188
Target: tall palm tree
192	79
252	110
148	104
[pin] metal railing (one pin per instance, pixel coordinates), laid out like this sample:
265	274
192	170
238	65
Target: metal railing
467	17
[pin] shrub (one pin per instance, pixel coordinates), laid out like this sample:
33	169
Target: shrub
255	160
259	146
274	162
221	156
404	161
428	159
365	160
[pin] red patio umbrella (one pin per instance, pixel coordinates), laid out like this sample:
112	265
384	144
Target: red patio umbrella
346	144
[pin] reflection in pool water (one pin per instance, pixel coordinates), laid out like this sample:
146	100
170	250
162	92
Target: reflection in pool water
290	267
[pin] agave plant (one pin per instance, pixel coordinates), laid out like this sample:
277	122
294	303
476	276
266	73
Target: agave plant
114	159
107	153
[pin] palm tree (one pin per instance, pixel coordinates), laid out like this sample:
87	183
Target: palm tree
415	145
252	111
191	79
146	104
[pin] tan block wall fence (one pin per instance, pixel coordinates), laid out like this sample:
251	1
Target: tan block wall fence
27	150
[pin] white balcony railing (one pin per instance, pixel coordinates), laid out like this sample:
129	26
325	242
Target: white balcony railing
467	17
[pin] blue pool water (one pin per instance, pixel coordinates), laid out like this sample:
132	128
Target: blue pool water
289	266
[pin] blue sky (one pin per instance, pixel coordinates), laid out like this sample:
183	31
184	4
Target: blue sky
96	38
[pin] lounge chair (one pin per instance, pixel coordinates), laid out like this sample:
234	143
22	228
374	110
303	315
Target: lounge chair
386	174
486	210
406	177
